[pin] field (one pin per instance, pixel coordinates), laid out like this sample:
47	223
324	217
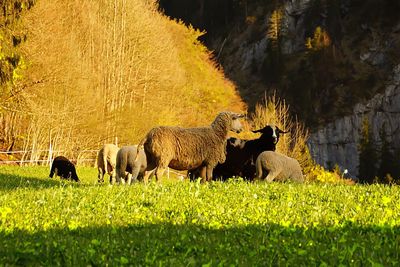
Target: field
52	222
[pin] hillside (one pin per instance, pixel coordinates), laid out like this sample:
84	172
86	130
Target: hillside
92	72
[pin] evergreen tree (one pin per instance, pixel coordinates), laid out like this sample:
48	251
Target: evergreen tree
396	170
273	64
367	154
387	166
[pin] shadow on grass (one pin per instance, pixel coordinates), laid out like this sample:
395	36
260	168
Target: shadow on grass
14	177
10	182
193	245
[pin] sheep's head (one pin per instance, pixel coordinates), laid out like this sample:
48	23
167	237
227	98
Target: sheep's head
236	125
271	132
236	142
228	121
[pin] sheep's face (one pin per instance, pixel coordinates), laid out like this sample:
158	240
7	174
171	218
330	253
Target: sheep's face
236	125
236	142
271	132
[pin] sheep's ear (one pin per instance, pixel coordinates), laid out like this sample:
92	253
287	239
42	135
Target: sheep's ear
280	131
263	130
238	116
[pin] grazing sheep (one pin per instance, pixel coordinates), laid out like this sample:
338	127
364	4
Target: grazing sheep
279	167
106	160
189	148
241	154
127	166
64	168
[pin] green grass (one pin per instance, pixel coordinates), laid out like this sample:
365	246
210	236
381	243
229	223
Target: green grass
53	222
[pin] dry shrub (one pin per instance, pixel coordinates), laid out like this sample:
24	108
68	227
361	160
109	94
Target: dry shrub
275	111
100	70
294	143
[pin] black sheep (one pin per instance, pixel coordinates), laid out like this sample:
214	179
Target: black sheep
241	154
64	168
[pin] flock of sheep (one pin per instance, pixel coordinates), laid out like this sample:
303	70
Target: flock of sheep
205	152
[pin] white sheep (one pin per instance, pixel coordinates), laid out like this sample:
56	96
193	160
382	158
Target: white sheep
106	161
279	167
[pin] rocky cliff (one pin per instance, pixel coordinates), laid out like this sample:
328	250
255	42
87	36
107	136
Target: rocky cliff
334	61
338	142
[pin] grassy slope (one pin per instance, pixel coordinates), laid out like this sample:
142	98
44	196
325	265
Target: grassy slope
48	222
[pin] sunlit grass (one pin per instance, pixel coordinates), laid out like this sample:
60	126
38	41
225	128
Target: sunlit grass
51	222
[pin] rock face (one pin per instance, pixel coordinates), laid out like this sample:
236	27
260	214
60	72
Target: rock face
335	58
337	142
252	54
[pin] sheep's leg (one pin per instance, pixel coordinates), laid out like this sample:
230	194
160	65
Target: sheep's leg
259	170
147	175
74	175
52	171
123	179
159	173
112	176
209	173
135	173
100	175
105	164
132	176
118	176
128	178
272	175
191	174
202	174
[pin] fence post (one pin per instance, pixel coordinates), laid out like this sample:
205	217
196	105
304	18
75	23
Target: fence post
50	155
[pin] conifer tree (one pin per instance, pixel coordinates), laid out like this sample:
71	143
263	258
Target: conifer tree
273	64
367	154
387	163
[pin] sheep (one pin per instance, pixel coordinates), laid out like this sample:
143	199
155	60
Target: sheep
106	160
64	168
279	167
242	154
127	166
189	148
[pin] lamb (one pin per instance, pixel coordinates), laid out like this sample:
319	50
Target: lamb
279	167
242	154
127	166
189	148
106	161
64	168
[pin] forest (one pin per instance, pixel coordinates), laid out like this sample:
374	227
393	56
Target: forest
79	74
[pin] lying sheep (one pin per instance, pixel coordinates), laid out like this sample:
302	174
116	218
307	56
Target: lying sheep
189	148
127	166
64	168
278	166
106	161
241	154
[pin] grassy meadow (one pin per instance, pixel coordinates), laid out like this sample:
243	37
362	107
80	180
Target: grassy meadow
51	222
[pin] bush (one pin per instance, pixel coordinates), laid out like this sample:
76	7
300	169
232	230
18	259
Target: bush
294	143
